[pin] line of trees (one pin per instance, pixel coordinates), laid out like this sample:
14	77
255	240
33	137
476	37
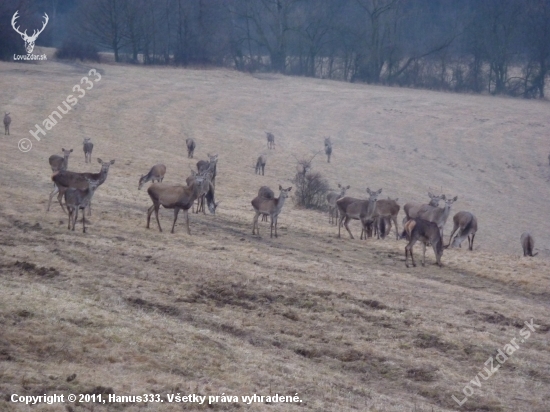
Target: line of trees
494	46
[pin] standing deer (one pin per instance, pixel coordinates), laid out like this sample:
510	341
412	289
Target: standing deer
204	165
29	40
173	197
206	193
260	164
65	179
156	173
271	207
426	232
412	209
438	215
528	244
332	197
467	223
58	163
385	212
7	122
265	193
190	147
270	140
88	147
328	148
76	199
349	208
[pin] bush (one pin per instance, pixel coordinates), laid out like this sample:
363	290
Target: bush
311	190
72	50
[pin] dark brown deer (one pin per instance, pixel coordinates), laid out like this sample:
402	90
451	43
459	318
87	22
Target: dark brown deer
270	140
58	163
7	122
260	164
467	223
190	147
157	173
528	244
173	197
349	208
328	148
265	193
271	207
386	211
88	146
204	165
426	232
76	199
332	197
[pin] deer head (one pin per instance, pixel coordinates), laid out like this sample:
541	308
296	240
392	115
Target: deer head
29	40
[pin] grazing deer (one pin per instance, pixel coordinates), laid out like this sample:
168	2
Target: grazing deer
528	244
174	197
190	147
76	199
350	208
58	163
260	164
467	223
204	165
88	147
7	122
270	140
426	232
332	197
271	207
65	179
385	212
328	148
206	193
438	215
156	173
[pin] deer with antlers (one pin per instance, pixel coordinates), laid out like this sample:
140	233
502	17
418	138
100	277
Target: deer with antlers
271	207
7	122
29	40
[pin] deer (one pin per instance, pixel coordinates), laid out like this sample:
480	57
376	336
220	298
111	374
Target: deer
270	140
76	199
190	147
156	173
176	197
210	164
528	244
58	163
7	122
206	193
260	164
328	148
65	179
265	193
350	208
426	232
385	212
271	207
29	40
412	209
88	146
467	223
438	215
332	197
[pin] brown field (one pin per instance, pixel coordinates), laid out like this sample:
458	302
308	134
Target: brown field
340	322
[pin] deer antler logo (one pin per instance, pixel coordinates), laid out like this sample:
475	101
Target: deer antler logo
29	40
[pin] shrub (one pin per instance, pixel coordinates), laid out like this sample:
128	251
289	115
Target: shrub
72	50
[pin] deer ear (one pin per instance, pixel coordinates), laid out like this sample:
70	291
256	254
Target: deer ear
396	199
368	191
455	199
339	185
379	191
113	161
290	188
71	150
280	187
430	195
348	187
99	160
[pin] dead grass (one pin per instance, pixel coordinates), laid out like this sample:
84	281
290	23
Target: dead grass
341	322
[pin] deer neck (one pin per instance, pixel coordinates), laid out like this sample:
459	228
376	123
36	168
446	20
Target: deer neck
279	204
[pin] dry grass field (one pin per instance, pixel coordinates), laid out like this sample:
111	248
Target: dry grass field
342	323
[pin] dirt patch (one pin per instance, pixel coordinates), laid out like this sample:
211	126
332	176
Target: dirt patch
153	307
32	269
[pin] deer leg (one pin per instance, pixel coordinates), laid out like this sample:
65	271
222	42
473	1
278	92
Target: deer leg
176	211
157	206
394	218
424	253
451	238
60	198
203	202
149	211
83	221
89	209
52	194
347	227
340	224
255	224
70	218
75	217
471	245
187	221
271	225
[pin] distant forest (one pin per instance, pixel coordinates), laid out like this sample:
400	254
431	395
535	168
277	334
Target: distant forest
480	46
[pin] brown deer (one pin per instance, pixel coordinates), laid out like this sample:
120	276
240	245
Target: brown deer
260	164
412	209
328	148
65	179
332	197
426	232
76	199
349	208
386	211
265	193
58	163
467	223
206	193
156	173
271	207
438	215
7	122
88	146
270	140
204	165
528	244
173	197
190	147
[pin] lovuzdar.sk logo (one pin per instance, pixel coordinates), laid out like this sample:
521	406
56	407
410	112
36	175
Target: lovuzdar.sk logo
29	40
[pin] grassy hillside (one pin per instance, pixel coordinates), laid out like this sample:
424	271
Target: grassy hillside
340	322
